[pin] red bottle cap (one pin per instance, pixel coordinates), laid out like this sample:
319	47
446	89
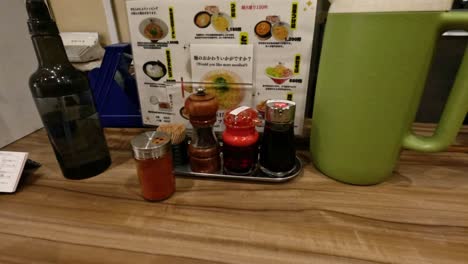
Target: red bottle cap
241	117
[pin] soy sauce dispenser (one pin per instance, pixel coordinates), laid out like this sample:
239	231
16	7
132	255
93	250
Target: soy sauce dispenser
278	152
204	148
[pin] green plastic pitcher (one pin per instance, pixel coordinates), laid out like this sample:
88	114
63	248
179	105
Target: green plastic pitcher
374	64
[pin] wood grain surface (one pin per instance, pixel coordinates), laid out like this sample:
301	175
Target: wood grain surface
420	215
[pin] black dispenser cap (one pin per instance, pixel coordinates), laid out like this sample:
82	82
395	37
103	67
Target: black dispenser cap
40	21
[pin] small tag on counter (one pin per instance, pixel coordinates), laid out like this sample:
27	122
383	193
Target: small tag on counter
11	168
238	110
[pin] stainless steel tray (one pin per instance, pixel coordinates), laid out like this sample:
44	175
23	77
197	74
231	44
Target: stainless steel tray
258	175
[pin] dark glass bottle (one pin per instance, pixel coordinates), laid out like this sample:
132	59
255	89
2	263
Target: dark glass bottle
278	152
64	101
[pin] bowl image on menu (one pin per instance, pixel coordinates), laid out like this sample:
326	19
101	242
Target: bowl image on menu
155	70
261	107
225	85
212	9
263	30
153	29
165	106
281	31
221	22
202	19
154	100
273	19
279	74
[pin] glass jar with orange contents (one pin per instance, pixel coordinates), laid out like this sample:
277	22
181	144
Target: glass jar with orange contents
152	152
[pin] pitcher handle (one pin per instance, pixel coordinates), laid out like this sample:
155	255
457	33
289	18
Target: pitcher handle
456	107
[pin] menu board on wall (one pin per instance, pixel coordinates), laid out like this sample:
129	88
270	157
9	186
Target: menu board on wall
245	52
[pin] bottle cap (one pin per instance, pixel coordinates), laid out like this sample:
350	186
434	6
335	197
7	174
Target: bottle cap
280	111
151	145
40	21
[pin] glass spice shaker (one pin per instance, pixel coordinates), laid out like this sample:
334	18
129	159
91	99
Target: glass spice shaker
152	152
240	141
278	152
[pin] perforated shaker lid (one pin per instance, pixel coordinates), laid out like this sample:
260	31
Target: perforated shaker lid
151	145
374	6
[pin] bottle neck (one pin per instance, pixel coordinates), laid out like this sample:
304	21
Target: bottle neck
50	50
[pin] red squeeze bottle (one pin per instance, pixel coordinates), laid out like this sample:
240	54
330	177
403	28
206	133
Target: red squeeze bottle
240	141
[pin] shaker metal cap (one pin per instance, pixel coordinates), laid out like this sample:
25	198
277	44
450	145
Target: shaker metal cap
150	145
280	111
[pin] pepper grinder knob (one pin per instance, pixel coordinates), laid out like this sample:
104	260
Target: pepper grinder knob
200	91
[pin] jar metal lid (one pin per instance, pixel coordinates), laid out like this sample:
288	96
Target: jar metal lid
280	111
151	145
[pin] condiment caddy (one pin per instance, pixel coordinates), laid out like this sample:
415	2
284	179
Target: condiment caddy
240	158
256	175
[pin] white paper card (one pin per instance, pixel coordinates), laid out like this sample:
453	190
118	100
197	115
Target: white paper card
11	167
239	110
230	59
225	70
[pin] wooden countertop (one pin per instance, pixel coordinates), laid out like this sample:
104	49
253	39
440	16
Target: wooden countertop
420	215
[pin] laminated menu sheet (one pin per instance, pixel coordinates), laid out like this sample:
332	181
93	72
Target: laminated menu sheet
11	167
244	52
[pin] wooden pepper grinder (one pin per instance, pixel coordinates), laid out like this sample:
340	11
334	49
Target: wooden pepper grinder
204	148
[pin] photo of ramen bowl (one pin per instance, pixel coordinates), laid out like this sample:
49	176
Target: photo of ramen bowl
226	86
281	31
155	70
273	19
202	19
154	100
279	74
188	88
221	22
261	107
212	9
279	80
263	30
165	106
153	29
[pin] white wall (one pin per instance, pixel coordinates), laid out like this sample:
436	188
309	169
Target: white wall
90	15
18	114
